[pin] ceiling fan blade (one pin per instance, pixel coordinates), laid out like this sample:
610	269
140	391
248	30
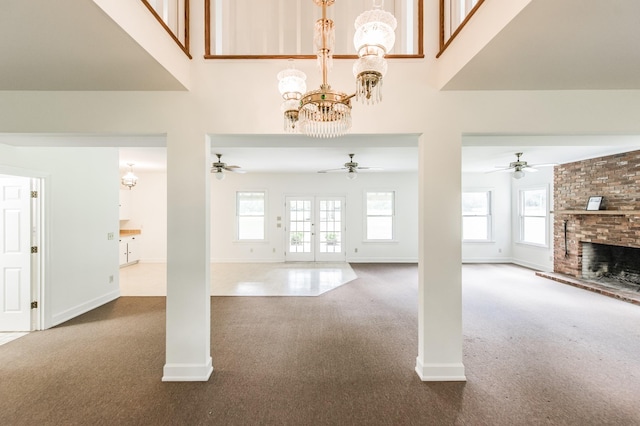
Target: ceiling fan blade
234	169
502	169
530	169
545	165
332	170
369	168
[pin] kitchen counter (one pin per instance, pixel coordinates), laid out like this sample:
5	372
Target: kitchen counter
129	232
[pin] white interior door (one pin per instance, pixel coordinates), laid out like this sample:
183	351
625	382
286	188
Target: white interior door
315	229
15	253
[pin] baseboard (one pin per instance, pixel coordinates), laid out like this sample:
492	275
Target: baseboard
82	308
535	266
244	260
440	372
187	372
152	261
382	260
488	260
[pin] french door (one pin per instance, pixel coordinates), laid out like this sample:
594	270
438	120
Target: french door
315	229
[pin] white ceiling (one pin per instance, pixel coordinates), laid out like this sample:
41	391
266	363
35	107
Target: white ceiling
72	45
567	44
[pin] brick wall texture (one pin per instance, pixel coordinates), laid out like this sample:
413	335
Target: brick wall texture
617	179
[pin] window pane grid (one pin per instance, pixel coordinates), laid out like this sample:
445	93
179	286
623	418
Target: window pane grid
250	211
533	216
476	216
380	212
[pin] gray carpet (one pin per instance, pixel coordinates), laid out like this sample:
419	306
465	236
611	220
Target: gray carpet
536	352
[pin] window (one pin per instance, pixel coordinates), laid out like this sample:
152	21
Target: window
533	216
380	215
250	213
476	216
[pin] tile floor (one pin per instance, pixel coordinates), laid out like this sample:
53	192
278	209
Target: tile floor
244	279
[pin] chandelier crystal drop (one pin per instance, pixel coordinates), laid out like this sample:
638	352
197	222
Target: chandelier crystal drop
326	113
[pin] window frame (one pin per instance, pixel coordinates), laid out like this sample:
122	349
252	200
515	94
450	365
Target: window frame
238	216
366	215
489	215
522	215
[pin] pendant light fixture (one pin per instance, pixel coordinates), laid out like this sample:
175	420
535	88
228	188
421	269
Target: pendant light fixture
129	179
326	113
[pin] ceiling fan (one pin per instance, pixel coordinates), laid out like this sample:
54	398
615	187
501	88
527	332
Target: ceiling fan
351	167
519	166
219	167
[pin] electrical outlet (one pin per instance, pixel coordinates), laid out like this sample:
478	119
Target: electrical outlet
110	236
250	250
499	250
355	250
274	249
110	279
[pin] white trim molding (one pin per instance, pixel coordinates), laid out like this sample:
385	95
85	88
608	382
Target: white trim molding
440	372
188	372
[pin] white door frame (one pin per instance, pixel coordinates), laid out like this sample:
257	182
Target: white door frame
38	260
314	232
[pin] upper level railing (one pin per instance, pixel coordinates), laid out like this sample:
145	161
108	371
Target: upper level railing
173	15
259	29
454	14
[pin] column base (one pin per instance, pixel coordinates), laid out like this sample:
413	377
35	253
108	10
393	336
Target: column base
187	372
440	372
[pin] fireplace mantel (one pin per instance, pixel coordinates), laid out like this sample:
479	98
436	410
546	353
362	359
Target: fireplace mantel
598	212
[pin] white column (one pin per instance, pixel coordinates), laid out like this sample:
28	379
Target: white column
188	353
440	255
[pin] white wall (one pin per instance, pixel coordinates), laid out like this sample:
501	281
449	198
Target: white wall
80	209
149	210
499	249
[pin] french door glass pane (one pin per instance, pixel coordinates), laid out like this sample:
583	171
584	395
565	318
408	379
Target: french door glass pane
330	223
300	226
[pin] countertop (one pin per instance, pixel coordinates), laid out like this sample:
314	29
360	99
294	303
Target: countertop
129	232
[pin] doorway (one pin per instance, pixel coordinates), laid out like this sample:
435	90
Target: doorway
19	254
315	229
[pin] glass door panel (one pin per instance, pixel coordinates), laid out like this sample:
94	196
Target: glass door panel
330	225
299	231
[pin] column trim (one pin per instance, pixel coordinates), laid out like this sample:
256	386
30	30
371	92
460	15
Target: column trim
188	372
438	372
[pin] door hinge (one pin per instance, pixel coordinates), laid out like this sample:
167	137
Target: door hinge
34	305
34	249
34	194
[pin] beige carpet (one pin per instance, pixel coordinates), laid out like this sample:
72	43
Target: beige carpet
536	352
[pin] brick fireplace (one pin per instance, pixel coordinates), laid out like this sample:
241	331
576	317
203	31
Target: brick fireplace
615	177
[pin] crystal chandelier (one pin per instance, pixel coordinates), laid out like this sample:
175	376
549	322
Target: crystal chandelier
326	113
130	180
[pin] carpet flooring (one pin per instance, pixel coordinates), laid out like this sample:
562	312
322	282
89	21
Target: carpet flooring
536	352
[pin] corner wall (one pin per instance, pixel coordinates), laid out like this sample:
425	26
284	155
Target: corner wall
80	197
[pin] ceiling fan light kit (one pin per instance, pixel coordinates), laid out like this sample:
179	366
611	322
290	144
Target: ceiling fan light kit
326	113
218	168
518	167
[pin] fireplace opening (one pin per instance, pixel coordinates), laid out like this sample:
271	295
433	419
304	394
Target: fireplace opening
615	266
